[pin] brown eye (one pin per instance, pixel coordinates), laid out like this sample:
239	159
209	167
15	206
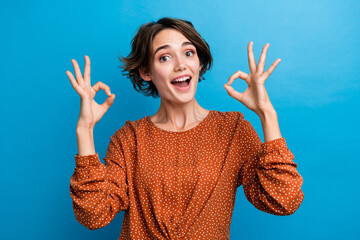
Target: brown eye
164	58
189	53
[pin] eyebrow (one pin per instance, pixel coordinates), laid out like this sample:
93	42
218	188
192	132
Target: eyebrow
167	46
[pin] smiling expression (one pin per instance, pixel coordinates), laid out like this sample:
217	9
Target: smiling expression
174	59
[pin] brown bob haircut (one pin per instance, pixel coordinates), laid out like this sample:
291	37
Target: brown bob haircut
141	52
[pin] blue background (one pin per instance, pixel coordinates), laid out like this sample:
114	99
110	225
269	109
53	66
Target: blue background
315	91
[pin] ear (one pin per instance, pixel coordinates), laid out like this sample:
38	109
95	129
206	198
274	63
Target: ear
144	74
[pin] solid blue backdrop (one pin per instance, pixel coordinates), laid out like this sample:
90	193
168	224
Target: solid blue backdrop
315	91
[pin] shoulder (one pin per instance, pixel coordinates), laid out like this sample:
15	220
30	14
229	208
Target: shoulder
226	121
229	116
231	120
129	129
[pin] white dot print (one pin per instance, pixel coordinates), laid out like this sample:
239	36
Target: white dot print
182	185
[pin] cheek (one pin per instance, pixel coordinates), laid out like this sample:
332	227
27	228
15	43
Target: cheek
196	64
161	70
160	77
197	67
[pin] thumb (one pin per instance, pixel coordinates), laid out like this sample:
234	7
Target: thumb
233	93
109	101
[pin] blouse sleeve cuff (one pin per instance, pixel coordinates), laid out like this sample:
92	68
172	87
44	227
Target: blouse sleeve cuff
88	160
272	145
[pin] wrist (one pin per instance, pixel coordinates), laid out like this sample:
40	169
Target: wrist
84	130
267	113
84	126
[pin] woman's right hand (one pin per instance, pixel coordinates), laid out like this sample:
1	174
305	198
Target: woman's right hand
90	111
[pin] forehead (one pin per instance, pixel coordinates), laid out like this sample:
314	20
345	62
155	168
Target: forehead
169	37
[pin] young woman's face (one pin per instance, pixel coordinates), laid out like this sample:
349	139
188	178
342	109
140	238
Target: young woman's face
174	59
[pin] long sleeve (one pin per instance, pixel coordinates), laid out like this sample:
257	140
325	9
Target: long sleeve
99	191
269	175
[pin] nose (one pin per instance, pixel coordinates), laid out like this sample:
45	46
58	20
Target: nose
179	64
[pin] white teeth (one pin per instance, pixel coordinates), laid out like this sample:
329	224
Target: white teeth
182	79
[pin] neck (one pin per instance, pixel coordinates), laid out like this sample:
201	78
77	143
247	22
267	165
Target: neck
179	117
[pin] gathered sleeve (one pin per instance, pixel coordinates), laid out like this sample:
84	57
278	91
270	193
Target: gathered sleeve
269	175
100	191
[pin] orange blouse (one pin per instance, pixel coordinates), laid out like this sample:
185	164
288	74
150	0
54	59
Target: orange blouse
182	185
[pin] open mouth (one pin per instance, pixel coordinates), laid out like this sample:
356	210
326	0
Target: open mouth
182	82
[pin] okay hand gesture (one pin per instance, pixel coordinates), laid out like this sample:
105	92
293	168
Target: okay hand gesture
255	96
90	111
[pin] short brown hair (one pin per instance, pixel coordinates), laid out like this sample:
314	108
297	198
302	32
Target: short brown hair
141	51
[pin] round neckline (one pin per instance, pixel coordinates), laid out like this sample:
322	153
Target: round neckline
182	132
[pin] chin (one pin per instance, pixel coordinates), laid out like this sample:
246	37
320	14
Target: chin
186	98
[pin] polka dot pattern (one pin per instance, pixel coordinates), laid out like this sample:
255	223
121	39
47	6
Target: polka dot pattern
182	185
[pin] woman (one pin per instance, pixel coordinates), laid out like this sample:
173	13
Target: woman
175	174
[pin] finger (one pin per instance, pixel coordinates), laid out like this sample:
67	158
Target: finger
99	85
87	71
238	74
232	92
108	102
272	67
73	81
261	65
252	63
79	78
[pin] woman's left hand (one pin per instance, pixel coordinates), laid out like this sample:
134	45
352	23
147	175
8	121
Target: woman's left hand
255	96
